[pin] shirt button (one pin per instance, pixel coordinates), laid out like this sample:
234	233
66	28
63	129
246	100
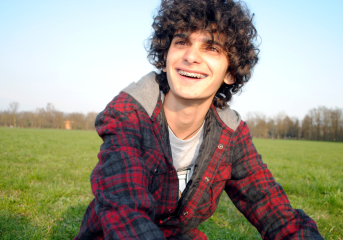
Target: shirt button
207	179
220	146
155	170
172	171
185	213
169	210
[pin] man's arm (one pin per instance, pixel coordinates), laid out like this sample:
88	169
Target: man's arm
120	180
263	202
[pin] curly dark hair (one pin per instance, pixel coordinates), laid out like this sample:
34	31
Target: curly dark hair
227	18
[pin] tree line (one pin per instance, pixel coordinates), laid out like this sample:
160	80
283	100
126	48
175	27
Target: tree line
47	117
321	124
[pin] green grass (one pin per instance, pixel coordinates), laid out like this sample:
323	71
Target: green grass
45	188
44	181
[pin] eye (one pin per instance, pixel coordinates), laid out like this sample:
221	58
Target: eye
213	49
180	42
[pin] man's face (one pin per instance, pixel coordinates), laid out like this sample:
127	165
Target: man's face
196	68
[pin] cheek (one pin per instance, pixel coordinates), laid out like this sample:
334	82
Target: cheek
218	66
221	70
172	56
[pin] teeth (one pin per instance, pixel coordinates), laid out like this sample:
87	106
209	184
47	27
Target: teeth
188	74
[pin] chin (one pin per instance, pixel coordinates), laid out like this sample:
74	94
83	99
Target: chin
186	94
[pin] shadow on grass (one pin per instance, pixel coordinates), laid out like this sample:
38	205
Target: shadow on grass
14	226
69	223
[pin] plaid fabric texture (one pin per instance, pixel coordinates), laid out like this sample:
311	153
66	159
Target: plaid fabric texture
136	186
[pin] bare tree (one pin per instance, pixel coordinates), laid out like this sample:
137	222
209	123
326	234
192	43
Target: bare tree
279	126
271	128
306	127
14	106
335	116
325	122
90	120
4	116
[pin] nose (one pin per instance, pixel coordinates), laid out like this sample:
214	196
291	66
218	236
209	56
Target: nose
192	55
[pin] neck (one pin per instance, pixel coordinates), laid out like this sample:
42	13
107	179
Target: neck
185	116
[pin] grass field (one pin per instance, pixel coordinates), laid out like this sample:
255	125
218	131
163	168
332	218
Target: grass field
45	189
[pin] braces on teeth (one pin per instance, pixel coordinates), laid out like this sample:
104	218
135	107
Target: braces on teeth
194	75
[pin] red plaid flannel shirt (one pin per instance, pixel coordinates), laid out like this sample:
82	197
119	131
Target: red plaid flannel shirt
136	186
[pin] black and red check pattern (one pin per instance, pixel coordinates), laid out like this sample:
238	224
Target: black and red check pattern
136	187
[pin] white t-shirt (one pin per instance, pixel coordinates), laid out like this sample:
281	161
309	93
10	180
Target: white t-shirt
184	153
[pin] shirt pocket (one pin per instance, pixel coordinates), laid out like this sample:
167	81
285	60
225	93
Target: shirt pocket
155	162
218	184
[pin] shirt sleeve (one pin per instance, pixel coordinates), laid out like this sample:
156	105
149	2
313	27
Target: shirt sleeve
120	180
263	202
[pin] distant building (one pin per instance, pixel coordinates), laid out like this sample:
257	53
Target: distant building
67	125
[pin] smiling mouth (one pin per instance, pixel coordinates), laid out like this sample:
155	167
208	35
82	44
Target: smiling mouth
191	75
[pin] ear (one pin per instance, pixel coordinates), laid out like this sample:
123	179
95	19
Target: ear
229	79
164	69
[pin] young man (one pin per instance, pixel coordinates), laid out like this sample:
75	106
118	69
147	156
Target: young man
171	143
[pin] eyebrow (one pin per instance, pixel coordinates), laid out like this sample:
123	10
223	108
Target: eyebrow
204	40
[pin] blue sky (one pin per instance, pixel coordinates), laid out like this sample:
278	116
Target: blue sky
79	54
